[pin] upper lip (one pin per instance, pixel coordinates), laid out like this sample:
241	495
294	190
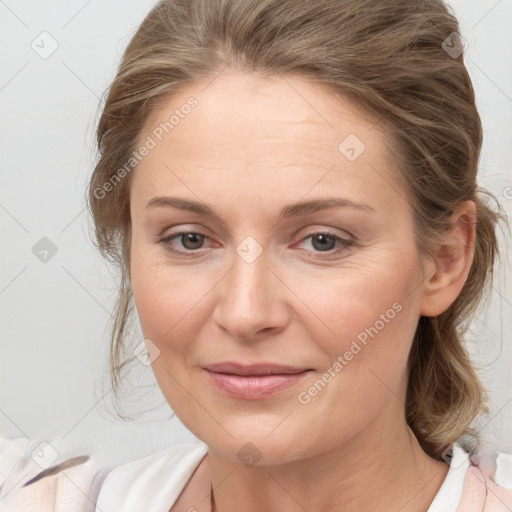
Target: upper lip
253	369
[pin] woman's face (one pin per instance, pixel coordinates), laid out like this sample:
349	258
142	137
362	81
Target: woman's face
273	171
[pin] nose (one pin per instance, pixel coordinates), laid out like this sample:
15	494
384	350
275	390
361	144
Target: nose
252	300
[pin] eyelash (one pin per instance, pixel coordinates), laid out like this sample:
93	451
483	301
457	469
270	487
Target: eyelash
344	243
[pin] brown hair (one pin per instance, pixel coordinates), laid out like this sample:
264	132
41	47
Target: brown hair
391	57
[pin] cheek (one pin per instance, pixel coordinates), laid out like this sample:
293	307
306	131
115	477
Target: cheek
168	299
168	304
163	303
368	314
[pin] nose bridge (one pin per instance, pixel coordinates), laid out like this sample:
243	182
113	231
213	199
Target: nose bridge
249	299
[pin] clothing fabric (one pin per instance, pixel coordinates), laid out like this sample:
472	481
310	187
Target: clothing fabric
155	483
66	488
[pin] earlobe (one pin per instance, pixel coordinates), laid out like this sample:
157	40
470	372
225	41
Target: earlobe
452	262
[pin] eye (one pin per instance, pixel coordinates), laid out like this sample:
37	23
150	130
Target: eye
190	241
325	242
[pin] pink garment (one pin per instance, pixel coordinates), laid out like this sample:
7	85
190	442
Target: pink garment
177	480
73	489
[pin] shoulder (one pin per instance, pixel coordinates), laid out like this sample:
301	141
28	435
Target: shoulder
35	479
503	475
494	464
11	451
152	483
82	484
498	466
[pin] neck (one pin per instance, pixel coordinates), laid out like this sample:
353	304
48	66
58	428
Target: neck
391	472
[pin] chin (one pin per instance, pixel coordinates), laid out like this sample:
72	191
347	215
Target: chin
256	452
257	441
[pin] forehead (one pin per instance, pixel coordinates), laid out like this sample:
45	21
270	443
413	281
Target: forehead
247	129
249	105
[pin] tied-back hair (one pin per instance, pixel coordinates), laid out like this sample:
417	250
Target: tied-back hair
391	58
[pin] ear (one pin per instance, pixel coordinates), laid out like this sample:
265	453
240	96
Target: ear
452	262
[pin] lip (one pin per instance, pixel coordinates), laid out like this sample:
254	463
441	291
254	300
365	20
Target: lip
254	381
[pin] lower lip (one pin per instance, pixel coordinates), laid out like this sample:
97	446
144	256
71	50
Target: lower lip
254	387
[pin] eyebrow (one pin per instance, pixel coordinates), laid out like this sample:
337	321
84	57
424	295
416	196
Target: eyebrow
289	211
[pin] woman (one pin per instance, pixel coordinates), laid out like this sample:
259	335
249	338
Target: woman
289	190
296	216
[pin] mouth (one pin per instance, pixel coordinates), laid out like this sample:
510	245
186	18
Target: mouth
255	381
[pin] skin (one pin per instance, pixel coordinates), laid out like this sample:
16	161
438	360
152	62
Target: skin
249	148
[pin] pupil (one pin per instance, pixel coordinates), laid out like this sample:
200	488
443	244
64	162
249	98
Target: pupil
323	237
192	240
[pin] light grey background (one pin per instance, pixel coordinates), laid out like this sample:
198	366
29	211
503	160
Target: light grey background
54	315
